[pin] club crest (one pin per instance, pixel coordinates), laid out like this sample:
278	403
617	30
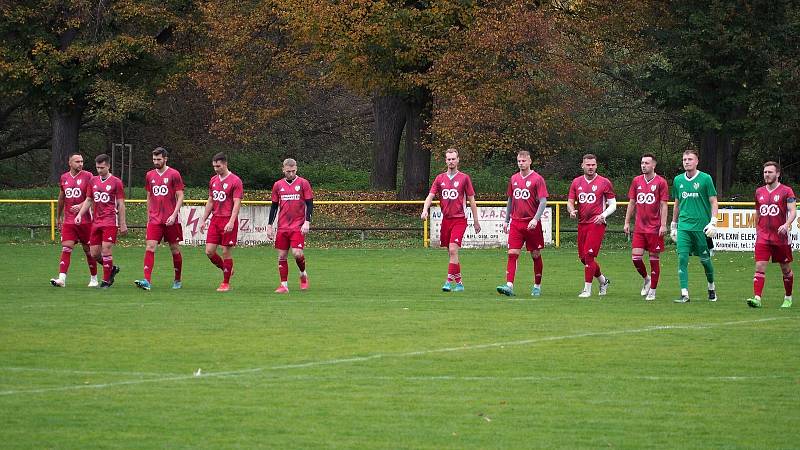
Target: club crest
166	180
653	188
108	187
527	184
297	188
455	183
594	188
224	185
777	197
79	182
696	186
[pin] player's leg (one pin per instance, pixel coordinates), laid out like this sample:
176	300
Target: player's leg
594	243
655	271
283	244
535	243
454	266
588	266
701	248
91	262
444	241
177	263
515	241
227	264
213	256
637	258
109	269
788	280
153	236
63	264
214	240
759	277
297	243
511	270
684	246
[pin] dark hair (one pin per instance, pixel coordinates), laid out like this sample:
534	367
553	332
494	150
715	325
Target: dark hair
74	154
160	151
650	155
589	156
102	158
773	163
219	157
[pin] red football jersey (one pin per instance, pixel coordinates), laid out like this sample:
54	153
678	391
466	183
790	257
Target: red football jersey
162	188
291	198
648	195
222	192
453	193
773	209
525	193
105	193
591	196
75	189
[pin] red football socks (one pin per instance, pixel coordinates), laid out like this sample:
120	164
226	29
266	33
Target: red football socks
538	268
758	283
511	267
655	271
66	256
108	262
216	260
301	263
177	263
149	260
788	281
227	270
639	264
283	269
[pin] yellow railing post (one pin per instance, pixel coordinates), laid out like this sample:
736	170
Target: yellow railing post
558	224
425	242
52	221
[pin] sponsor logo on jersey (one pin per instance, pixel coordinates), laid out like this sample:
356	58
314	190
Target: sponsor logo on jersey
584	197
646	199
287	197
449	194
523	194
690	194
769	210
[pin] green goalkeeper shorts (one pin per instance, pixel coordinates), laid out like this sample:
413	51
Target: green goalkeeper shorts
692	242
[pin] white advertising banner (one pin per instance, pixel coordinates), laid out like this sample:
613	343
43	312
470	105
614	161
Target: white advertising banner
492	219
252	225
736	231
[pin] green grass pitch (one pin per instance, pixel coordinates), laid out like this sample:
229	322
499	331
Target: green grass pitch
374	355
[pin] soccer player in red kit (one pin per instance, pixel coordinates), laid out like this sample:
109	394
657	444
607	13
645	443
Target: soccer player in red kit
527	200
454	188
776	210
73	184
596	201
292	203
225	191
648	196
164	200
106	195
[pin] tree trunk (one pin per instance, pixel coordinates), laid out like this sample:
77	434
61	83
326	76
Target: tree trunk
66	124
416	157
718	155
390	118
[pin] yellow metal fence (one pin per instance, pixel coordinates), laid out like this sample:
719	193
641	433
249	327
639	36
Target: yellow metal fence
556	204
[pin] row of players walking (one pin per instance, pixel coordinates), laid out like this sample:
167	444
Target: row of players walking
91	211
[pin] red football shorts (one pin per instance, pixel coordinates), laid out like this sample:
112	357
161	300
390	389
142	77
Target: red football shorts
652	242
168	233
452	231
779	253
102	234
590	238
285	239
217	235
518	234
76	233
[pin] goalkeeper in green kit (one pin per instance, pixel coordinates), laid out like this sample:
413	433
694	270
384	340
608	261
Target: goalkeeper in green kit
693	219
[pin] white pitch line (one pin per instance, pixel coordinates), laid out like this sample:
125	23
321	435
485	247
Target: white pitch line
86	372
393	355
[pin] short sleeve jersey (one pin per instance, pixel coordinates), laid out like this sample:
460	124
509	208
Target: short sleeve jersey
74	190
453	193
773	210
222	192
105	194
692	197
591	196
647	196
162	188
291	198
525	192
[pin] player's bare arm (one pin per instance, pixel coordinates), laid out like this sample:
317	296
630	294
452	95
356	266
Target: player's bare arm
474	207
664	211
207	212
573	213
123	225
791	205
628	215
426	206
237	202
60	209
174	216
84	207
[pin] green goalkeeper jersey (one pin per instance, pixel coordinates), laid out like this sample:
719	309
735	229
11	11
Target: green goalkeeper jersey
694	207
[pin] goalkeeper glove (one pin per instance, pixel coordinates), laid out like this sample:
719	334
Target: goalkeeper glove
673	231
711	229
